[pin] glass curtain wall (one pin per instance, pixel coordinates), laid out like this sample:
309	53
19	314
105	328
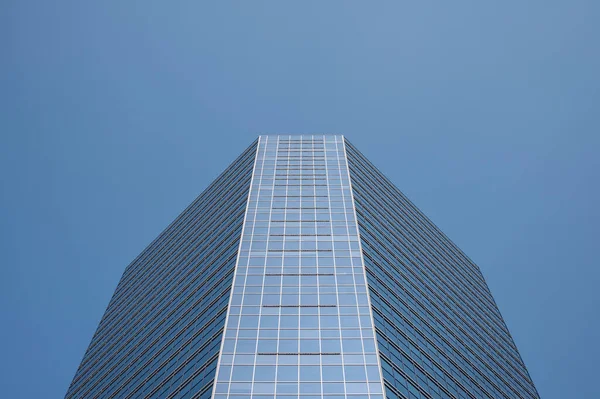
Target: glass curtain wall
299	322
161	333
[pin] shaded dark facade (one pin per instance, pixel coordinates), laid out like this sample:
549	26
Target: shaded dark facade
161	333
439	331
302	272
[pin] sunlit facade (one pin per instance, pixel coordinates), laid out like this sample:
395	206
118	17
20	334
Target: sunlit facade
302	272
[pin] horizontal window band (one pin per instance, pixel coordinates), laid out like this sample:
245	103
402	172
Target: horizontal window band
303	207
300	196
299	306
299	353
300	185
303	221
299	274
300	250
299	235
298	168
263	252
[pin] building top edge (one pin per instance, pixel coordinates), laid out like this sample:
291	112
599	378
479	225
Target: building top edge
300	136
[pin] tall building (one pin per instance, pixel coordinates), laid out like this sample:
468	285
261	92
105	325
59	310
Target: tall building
302	272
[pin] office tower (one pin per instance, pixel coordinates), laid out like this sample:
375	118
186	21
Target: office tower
302	272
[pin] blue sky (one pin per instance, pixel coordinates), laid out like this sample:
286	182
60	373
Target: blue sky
114	115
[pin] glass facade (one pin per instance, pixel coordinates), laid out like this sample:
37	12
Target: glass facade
161	333
302	273
439	330
299	322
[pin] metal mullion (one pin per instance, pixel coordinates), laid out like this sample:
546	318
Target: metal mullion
193	209
175	273
454	333
119	317
102	350
235	352
478	341
160	256
233	285
414	233
230	174
264	273
147	333
337	292
462	314
363	267
448	357
443	284
427	224
171	356
175	247
114	366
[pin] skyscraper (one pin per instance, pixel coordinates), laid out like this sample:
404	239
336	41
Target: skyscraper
302	272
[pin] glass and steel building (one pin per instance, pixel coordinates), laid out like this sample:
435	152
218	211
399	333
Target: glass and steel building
302	273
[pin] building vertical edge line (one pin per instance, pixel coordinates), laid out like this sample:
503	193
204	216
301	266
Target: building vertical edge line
235	269
364	269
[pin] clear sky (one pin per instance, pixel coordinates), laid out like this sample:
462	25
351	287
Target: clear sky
115	115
